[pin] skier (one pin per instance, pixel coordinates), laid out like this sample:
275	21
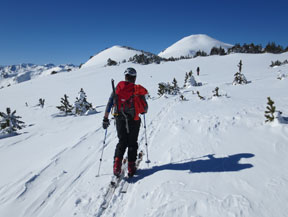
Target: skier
128	102
198	70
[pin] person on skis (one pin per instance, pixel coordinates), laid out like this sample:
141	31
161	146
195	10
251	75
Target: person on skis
128	102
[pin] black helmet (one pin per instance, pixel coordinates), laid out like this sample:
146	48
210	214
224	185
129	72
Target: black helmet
130	71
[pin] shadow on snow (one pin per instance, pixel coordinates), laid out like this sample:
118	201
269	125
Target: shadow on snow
212	164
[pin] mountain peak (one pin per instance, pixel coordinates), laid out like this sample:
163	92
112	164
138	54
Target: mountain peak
189	45
117	53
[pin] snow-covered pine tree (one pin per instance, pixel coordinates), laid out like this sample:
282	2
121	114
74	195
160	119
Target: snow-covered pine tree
81	106
65	107
271	110
10	122
164	88
175	87
216	92
239	78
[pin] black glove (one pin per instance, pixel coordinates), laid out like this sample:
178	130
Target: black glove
105	123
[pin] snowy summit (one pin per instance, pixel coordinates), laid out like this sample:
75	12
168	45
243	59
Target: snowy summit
189	45
116	53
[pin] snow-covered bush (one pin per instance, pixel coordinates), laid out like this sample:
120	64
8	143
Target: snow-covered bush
167	88
9	122
65	105
111	62
190	80
216	92
282	75
81	106
239	78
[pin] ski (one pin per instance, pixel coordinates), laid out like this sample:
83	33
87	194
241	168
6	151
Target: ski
114	183
127	179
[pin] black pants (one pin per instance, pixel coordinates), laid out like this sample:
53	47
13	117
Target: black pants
127	140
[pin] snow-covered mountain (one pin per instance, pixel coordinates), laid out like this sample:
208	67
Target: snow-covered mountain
188	46
116	53
23	72
211	157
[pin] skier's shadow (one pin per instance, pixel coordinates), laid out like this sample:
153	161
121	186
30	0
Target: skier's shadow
212	164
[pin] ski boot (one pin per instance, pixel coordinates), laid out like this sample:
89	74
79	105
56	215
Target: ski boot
131	169
117	166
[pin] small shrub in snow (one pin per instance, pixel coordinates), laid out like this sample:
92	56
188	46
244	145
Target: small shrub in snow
278	63
111	62
239	78
167	88
216	92
271	109
41	102
81	106
281	76
65	105
182	98
9	122
201	97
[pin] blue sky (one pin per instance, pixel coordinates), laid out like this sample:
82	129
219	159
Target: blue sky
62	31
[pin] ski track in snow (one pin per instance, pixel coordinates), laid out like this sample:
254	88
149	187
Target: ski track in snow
153	127
57	180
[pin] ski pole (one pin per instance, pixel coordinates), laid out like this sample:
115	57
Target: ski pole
102	152
146	144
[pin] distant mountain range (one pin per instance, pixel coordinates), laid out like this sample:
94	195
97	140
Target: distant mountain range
187	46
23	72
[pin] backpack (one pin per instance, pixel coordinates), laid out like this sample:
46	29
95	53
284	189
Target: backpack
131	99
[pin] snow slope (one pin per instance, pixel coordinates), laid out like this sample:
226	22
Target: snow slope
215	157
116	53
189	45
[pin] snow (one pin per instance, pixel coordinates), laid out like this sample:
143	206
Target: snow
189	45
213	157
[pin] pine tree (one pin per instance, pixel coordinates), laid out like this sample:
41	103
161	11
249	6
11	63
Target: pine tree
175	88
41	102
216	92
240	66
186	79
81	106
65	107
10	122
239	78
271	110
